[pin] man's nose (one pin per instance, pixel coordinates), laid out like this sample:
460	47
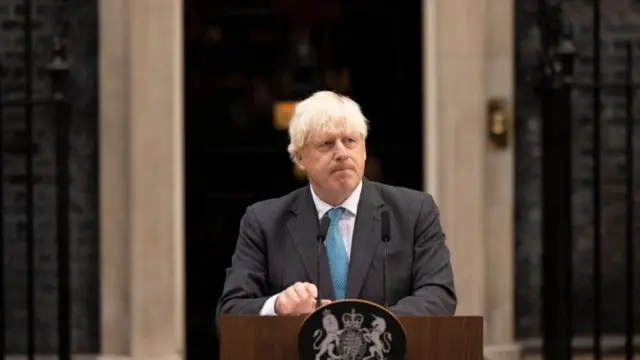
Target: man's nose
340	150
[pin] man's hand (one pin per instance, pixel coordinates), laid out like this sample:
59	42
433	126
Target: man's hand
299	298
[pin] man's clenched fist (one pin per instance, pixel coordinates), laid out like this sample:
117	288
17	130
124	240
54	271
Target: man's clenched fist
299	298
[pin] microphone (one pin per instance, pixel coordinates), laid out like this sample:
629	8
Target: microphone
385	233
322	235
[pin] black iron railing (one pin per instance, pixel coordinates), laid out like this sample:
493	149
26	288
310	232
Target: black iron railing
59	103
556	84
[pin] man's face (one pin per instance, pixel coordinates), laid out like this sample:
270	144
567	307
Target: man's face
334	161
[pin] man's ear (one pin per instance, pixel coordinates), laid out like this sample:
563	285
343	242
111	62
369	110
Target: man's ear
299	162
302	167
364	143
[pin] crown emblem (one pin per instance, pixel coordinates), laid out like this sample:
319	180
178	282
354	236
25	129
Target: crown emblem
352	320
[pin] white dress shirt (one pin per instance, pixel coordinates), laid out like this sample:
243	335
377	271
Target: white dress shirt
345	226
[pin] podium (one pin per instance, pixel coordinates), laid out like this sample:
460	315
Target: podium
248	337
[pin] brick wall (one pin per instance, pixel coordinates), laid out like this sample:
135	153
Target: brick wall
82	45
620	22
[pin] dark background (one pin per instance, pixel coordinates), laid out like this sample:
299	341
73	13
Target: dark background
240	58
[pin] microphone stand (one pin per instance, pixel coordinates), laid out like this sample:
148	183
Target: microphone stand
322	235
318	299
384	272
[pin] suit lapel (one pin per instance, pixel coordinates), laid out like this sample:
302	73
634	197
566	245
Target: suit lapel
366	238
303	229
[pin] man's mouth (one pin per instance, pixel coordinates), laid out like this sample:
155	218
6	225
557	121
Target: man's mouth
340	169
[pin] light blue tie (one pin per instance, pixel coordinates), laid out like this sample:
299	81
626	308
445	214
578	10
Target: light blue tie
337	255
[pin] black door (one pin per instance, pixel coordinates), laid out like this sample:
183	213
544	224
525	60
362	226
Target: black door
242	57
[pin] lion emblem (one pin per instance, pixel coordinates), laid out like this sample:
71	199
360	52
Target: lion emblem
331	339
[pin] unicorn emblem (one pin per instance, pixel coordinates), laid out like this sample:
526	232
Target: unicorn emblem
379	339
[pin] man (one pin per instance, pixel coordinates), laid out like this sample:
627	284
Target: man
274	267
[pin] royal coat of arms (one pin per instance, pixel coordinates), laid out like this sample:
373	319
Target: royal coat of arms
352	341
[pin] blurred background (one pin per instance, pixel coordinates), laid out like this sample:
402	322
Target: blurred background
243	59
134	134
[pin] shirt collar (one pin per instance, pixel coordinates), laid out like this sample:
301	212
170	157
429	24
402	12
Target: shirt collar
351	204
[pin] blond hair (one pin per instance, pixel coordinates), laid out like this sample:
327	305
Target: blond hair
324	112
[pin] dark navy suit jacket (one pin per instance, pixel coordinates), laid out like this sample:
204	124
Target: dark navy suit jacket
277	247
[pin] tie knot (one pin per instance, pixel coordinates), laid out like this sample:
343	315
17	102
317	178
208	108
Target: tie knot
335	214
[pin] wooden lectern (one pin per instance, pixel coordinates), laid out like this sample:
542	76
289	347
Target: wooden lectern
276	337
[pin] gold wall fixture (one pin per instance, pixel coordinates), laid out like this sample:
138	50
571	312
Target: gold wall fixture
282	113
498	123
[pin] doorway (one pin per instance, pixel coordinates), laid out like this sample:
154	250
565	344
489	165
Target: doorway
241	58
